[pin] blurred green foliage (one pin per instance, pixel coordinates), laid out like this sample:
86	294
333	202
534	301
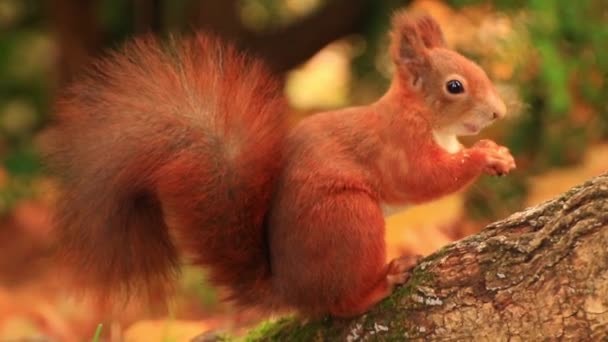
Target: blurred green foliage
263	15
570	41
25	66
25	49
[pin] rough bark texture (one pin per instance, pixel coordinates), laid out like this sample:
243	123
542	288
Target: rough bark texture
540	274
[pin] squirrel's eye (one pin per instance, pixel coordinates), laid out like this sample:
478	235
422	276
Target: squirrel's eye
454	87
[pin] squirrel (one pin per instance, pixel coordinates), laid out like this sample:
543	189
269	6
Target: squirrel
181	149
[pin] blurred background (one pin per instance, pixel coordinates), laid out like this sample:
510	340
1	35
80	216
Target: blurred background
549	59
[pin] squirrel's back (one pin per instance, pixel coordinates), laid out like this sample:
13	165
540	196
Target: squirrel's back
165	147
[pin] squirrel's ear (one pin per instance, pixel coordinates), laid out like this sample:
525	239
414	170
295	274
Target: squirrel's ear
430	32
407	45
411	38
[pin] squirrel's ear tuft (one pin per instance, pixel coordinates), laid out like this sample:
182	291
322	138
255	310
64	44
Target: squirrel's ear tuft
430	32
407	45
412	35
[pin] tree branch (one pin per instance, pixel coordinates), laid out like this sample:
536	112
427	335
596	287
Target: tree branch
147	15
78	35
288	47
539	274
293	45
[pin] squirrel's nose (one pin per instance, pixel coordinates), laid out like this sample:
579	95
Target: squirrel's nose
499	109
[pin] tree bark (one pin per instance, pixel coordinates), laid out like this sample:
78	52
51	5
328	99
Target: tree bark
540	274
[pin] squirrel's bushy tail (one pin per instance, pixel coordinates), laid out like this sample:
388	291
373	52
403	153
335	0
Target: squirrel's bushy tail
164	149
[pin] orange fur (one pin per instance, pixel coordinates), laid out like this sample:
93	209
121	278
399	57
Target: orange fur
182	148
167	150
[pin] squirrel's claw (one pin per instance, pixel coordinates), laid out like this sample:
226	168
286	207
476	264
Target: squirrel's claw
399	269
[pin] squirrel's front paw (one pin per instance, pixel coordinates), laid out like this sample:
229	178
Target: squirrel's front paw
498	161
399	269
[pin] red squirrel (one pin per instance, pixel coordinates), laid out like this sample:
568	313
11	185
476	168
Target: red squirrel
181	149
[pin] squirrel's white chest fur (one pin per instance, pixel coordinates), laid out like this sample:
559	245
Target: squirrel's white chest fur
448	142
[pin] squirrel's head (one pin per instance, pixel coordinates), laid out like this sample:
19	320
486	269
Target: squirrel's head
461	98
